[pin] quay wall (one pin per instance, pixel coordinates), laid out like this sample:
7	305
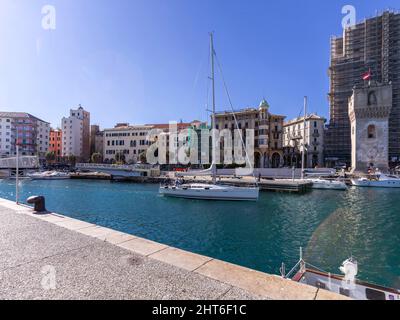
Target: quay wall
259	284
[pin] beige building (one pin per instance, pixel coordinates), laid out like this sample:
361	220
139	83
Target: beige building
267	128
125	143
96	139
129	142
76	134
314	140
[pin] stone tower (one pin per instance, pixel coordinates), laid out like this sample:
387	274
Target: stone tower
369	111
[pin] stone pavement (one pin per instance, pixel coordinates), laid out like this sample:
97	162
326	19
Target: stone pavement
55	257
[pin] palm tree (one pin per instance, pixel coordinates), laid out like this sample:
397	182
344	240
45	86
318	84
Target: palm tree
72	160
50	156
96	157
142	157
120	157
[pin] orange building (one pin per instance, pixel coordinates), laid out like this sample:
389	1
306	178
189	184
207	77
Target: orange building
55	143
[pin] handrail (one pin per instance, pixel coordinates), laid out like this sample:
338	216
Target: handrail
115	166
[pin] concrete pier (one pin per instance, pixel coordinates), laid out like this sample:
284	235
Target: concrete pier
52	256
278	185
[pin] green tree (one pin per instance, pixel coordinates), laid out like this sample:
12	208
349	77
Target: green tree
120	157
72	160
50	156
96	157
142	157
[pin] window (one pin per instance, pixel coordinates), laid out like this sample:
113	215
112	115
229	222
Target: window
374	294
371	132
344	292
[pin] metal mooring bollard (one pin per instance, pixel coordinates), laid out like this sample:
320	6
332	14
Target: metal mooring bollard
38	202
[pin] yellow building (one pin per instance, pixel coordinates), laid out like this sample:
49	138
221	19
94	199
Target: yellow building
268	140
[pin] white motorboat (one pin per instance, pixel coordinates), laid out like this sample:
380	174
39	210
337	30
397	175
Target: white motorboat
318	183
347	284
211	191
379	180
49	175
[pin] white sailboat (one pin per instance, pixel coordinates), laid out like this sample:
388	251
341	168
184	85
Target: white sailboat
211	191
379	180
49	175
317	183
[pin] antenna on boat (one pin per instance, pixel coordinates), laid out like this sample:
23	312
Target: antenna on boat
16	168
301	261
301	253
283	270
213	127
303	153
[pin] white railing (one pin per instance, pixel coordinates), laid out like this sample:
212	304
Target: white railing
113	166
24	162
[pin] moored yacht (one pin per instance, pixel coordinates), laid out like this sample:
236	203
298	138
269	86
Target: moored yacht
49	175
379	180
212	191
319	183
347	284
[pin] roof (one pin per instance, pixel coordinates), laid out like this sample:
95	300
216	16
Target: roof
301	119
180	125
264	104
130	127
244	111
6	114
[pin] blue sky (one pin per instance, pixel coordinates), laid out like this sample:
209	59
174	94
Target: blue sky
146	61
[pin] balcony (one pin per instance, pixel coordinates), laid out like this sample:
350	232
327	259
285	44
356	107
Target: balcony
294	136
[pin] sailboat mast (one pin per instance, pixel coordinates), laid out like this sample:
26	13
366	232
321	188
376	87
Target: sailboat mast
303	153
213	124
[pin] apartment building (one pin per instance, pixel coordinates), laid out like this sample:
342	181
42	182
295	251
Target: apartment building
76	134
30	132
129	142
42	138
55	143
125	143
293	132
267	128
96	139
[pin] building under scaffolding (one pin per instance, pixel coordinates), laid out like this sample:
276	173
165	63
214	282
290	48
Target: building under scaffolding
371	45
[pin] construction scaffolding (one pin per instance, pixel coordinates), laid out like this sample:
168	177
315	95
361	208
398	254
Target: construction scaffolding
371	45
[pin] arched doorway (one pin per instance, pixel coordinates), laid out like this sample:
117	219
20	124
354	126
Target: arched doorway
276	160
257	159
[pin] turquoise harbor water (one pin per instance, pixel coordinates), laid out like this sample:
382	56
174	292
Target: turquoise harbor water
330	225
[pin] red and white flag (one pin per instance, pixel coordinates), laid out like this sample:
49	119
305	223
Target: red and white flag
367	76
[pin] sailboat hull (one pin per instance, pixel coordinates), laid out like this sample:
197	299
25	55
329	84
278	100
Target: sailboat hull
395	183
211	192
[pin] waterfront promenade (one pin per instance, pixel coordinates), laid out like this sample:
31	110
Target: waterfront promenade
92	262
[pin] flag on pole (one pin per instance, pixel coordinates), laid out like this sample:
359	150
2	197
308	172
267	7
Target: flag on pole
367	76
